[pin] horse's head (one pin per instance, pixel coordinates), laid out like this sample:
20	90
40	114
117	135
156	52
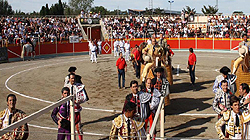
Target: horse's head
159	51
142	45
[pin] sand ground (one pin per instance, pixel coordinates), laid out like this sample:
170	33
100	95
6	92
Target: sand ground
43	79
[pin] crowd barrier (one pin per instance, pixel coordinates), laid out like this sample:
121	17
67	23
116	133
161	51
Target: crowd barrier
107	47
197	43
14	51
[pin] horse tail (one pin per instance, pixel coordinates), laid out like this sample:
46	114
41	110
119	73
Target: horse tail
22	54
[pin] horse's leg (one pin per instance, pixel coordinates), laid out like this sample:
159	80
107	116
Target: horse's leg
22	53
27	52
31	55
34	54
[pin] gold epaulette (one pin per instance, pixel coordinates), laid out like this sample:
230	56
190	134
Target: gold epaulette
246	116
118	121
221	136
226	115
139	125
2	113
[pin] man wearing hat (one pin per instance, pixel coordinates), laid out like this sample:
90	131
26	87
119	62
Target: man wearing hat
162	42
243	51
161	83
150	50
246	43
77	77
230	78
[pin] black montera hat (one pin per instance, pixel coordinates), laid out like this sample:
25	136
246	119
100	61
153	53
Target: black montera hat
159	69
225	70
72	69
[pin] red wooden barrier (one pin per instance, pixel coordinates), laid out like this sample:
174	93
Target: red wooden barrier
15	49
64	48
80	47
187	43
174	44
184	43
204	44
47	49
222	44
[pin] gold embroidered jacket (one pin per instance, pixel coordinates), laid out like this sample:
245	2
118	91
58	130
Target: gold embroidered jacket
120	129
19	134
231	129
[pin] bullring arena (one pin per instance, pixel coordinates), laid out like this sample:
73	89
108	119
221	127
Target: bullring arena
190	114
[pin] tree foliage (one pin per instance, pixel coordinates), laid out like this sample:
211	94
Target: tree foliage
209	10
100	9
158	11
55	9
78	5
189	10
5	8
238	12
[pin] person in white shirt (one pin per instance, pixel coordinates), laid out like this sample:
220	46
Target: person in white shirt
121	44
93	49
90	44
127	49
149	41
99	43
82	14
116	44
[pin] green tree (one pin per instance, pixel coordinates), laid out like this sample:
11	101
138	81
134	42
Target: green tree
100	9
19	12
78	5
53	10
237	13
209	10
60	8
148	11
43	11
5	8
158	11
189	10
47	12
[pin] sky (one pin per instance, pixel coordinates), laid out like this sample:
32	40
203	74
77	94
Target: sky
225	6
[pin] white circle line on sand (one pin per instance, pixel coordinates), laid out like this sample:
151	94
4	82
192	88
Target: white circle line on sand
34	98
26	96
43	62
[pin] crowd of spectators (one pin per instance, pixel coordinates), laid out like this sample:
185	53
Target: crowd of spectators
16	29
51	28
177	26
90	14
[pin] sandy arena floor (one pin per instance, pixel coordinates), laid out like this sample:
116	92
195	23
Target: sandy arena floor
190	114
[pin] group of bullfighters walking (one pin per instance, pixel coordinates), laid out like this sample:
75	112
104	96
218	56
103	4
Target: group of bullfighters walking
61	114
233	112
140	106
